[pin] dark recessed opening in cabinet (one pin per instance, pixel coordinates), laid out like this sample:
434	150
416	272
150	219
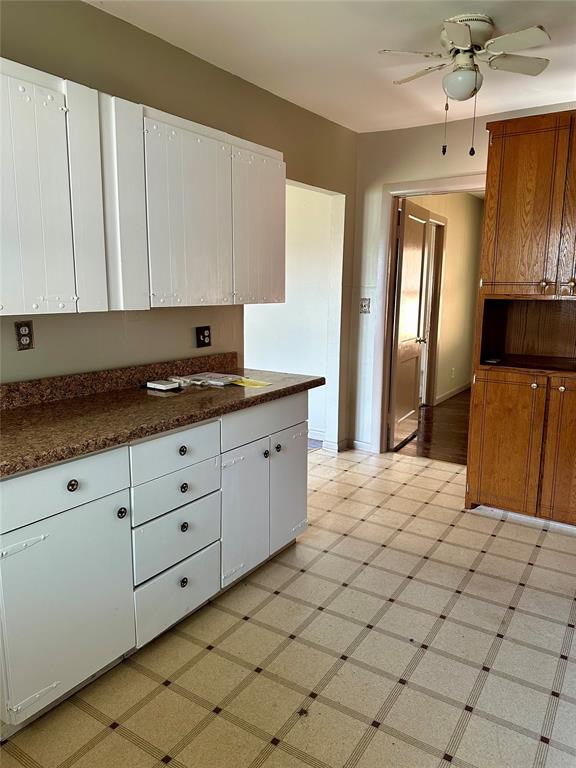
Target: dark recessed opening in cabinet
529	333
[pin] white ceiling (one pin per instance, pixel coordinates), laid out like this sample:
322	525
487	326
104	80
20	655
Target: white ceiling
322	54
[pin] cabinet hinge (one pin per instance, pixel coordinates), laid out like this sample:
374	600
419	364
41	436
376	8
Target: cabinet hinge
64	109
300	526
25	703
474	379
20	546
231	463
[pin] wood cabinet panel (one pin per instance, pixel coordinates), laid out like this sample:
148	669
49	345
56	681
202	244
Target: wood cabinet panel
558	485
505	439
524	204
567	260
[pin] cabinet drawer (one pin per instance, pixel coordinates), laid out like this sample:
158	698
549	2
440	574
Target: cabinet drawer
156	497
245	426
171	538
161	455
46	492
169	597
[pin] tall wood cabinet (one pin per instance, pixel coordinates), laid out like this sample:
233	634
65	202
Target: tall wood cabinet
522	436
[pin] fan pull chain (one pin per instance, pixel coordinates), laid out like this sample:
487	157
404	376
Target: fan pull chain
472	151
445	145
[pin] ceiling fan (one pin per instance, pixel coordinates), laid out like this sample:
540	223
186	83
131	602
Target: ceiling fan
466	40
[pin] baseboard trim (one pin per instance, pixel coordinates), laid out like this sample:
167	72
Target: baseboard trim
452	393
316	434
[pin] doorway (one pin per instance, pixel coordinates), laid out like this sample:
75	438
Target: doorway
302	335
432	290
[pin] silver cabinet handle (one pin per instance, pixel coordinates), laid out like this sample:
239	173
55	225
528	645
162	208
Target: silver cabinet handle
561	389
534	385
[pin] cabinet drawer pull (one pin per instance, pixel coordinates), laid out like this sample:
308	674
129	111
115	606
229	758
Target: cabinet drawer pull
278	447
534	385
183	450
122	512
184	527
266	453
183	487
561	389
72	485
184	582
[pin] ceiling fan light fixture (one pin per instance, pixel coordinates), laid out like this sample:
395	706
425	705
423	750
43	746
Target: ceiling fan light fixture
462	84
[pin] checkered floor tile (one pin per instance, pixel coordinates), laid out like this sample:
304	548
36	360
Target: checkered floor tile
398	632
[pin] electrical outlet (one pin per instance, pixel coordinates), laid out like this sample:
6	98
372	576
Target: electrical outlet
203	336
24	335
364	306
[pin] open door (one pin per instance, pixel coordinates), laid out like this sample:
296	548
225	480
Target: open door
409	323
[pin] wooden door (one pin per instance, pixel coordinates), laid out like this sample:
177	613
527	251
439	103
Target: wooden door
288	485
408	320
245	509
258	215
67	595
527	161
558	484
505	439
37	264
567	261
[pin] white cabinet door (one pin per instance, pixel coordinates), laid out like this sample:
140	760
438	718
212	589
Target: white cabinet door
258	215
288	485
67	601
188	192
37	262
245	509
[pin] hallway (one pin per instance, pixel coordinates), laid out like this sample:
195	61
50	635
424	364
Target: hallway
442	431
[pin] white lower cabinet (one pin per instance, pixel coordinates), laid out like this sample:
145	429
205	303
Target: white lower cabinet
288	485
67	602
245	509
166	599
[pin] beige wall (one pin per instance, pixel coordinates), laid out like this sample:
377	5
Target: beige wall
74	40
459	288
387	162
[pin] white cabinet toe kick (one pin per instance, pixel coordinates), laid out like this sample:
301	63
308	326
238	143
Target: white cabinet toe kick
100	555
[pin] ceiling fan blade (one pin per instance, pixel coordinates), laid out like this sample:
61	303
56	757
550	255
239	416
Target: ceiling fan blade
522	65
518	41
421	73
426	54
458	34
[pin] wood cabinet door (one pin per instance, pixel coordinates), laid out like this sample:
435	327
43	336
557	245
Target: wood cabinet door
37	263
245	509
527	161
567	261
288	485
558	484
258	215
505	439
67	598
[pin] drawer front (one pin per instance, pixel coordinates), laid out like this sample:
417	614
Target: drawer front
251	424
171	538
162	455
159	496
169	597
45	492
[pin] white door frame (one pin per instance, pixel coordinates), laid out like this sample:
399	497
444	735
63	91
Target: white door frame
381	368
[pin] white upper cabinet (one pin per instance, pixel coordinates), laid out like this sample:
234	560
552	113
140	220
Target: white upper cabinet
121	127
188	194
258	215
52	255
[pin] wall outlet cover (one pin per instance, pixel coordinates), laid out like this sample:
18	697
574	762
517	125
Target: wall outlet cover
364	306
24	335
203	336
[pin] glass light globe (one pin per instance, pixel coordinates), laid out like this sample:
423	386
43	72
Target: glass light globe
462	84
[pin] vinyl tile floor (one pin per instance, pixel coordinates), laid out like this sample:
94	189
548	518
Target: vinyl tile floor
399	632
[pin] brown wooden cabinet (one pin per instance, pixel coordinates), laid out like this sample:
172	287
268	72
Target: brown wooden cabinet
525	210
505	439
558	484
567	257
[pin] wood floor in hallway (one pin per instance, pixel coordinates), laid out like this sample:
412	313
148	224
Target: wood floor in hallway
442	431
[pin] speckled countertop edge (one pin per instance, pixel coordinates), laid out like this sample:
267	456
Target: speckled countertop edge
37	437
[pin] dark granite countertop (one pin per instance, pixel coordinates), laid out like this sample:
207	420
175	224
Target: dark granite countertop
37	435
